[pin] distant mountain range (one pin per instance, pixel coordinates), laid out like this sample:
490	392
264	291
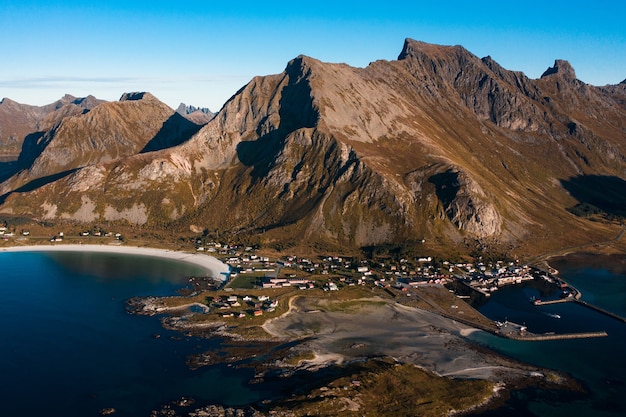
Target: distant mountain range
438	146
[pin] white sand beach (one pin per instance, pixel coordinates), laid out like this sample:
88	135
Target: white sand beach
215	268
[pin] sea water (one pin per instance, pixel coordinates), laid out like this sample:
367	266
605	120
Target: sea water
599	363
69	348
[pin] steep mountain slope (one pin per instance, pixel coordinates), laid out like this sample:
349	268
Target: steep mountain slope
138	122
438	145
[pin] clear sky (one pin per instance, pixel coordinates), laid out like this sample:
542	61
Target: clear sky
202	52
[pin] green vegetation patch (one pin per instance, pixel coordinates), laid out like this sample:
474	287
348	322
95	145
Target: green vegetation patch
246	281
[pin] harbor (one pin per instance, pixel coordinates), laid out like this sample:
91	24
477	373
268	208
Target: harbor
553	290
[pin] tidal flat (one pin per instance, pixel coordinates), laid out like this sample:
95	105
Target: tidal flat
339	354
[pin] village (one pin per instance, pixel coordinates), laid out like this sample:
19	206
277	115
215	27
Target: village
334	273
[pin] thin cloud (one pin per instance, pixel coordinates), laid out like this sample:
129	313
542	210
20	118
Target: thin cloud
56	81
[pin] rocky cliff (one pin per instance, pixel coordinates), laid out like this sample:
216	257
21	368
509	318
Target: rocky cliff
437	146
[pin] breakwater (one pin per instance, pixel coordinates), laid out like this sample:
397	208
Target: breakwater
517	331
601	310
559	336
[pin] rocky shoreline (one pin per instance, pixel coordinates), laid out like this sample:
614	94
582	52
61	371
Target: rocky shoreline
377	332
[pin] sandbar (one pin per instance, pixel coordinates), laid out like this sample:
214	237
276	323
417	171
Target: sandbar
216	268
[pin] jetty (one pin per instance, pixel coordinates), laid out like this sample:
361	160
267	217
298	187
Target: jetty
517	331
548	302
601	310
561	336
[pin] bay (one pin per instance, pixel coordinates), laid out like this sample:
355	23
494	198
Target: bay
68	347
599	363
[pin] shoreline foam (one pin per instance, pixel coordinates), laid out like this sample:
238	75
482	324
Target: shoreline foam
218	269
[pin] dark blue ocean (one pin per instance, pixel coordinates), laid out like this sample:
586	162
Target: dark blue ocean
599	363
69	348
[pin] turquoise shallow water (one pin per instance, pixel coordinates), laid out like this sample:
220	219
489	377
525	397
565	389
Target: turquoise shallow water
69	348
599	363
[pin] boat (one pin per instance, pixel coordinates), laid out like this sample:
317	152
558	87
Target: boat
554	315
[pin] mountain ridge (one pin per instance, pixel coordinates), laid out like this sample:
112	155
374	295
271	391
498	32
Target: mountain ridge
438	145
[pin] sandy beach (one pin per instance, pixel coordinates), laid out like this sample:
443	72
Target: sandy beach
214	266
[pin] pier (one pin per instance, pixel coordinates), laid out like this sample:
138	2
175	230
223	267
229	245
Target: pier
559	301
516	331
561	336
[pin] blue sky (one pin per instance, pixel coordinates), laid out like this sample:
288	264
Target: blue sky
202	52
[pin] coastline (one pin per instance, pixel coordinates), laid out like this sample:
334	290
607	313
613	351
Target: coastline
216	268
343	336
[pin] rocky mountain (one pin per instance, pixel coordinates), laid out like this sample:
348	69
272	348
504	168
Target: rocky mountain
438	146
19	120
137	123
198	115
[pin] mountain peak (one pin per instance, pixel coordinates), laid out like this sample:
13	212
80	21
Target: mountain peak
418	48
301	65
199	115
136	95
7	101
184	109
67	98
562	68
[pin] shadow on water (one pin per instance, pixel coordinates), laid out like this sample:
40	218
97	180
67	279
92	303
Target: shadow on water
597	194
